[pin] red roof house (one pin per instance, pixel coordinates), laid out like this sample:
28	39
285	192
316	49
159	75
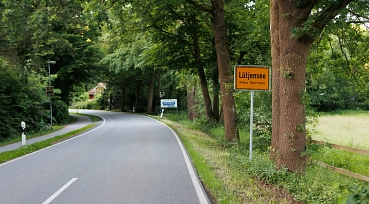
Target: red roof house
100	88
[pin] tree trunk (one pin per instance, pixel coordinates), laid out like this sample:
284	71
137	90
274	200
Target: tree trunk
274	22
138	88
289	56
123	99
224	69
191	103
151	92
201	73
158	98
289	70
216	96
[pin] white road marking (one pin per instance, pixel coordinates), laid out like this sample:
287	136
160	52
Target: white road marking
203	198
195	180
51	198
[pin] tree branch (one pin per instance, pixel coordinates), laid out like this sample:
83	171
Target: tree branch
329	14
201	7
347	60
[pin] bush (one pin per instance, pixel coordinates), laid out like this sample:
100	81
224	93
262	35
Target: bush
60	112
21	99
88	104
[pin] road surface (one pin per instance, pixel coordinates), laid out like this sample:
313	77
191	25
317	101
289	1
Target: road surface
128	159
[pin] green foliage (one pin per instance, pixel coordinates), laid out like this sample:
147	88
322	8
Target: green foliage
40	31
87	104
23	99
353	194
60	112
262	131
19	103
337	69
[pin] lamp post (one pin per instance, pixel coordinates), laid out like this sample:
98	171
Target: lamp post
51	107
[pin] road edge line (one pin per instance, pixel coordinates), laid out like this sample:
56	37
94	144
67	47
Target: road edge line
199	188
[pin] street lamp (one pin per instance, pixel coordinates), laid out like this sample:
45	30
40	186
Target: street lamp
51	108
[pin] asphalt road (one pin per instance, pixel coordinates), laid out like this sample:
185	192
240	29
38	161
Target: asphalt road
128	159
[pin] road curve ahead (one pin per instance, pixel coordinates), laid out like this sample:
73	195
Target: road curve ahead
128	159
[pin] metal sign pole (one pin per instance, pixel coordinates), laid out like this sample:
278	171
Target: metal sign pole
51	107
251	122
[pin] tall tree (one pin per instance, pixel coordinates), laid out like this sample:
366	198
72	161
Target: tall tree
295	25
53	30
224	65
181	27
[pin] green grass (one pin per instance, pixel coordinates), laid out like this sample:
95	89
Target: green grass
9	155
45	131
6	156
214	166
225	170
93	117
353	162
347	128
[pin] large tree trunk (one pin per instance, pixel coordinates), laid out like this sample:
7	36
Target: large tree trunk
289	56
275	76
151	92
224	69
289	70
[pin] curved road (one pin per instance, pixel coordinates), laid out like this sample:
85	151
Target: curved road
128	159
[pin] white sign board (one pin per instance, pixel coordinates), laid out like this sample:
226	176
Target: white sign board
168	103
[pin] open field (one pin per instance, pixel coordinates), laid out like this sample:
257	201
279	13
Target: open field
348	128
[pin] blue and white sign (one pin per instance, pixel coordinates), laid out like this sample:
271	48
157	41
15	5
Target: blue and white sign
168	103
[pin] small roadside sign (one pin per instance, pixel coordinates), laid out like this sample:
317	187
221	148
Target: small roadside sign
50	91
251	78
168	103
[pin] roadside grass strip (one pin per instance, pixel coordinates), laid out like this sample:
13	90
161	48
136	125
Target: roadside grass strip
225	180
228	175
94	118
45	131
30	136
9	155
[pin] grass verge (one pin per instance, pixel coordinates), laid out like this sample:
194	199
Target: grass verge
226	172
92	117
44	131
72	119
9	155
218	173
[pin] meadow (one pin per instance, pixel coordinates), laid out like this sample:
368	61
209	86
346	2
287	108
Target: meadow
347	128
